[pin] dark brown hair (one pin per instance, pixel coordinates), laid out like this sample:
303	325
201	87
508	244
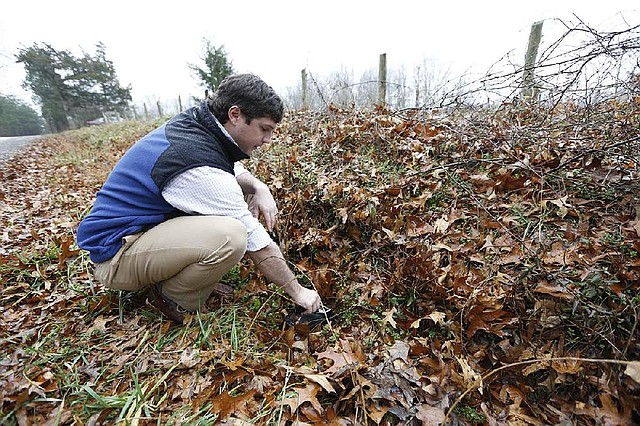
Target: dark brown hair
254	97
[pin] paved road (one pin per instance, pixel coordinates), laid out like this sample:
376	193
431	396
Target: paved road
10	146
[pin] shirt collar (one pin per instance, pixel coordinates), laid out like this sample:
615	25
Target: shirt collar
224	130
206	118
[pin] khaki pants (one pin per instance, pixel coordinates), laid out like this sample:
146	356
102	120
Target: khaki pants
187	254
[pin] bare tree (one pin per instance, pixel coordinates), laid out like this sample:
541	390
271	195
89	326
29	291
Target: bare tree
340	85
582	65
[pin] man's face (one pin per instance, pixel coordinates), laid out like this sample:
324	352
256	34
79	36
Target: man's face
249	136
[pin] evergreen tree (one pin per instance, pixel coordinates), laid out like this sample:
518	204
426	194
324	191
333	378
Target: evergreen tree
71	89
217	66
18	119
41	63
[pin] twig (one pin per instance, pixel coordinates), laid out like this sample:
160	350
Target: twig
589	151
529	361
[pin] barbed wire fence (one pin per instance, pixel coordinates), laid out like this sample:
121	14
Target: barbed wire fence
583	65
582	87
577	79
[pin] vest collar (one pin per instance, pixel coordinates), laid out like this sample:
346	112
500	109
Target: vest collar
205	116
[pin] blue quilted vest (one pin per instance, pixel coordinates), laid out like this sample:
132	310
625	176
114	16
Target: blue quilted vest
131	199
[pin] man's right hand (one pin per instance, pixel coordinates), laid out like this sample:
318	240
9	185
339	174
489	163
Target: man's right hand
271	263
308	299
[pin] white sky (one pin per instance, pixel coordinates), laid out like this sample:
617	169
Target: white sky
151	43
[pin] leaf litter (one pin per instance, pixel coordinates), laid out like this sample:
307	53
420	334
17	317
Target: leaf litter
483	268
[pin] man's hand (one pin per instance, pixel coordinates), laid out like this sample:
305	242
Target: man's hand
308	299
271	263
262	202
264	205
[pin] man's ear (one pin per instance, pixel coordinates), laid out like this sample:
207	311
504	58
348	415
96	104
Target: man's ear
234	114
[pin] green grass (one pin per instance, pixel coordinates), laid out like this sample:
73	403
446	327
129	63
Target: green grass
95	352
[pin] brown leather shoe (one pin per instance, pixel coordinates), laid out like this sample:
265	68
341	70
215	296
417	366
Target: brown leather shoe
168	307
222	291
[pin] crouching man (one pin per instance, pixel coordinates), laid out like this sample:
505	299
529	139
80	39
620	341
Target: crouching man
172	215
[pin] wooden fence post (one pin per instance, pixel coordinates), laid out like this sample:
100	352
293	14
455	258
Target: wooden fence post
159	108
529	91
417	79
179	103
382	80
305	90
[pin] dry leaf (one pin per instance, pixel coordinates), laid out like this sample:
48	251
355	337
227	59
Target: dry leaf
471	378
633	370
441	225
388	317
322	380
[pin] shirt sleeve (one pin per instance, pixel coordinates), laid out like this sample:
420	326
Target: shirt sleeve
209	191
238	169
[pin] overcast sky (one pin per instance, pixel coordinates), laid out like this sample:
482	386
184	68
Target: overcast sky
151	43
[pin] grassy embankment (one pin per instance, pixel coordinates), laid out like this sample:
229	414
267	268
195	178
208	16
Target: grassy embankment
492	253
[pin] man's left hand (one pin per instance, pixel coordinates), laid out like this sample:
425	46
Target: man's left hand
264	205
